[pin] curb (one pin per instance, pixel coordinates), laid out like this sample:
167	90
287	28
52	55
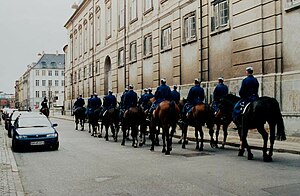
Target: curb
280	150
15	170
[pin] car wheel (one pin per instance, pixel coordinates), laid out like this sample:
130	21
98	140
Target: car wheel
14	146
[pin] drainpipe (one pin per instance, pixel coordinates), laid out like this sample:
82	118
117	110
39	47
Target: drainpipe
124	56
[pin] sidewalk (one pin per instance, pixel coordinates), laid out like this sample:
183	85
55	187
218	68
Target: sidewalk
290	145
10	182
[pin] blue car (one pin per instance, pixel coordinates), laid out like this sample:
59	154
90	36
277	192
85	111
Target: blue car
34	131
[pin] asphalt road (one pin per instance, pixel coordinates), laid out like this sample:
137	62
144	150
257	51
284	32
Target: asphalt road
85	165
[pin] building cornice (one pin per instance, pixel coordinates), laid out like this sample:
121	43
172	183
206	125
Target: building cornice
77	12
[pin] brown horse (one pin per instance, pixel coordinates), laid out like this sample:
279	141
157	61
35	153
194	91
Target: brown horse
133	117
110	120
165	116
201	114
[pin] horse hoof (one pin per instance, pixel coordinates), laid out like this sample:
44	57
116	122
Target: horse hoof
183	146
106	138
241	153
134	146
116	140
216	146
152	149
163	150
268	159
123	143
250	156
179	142
201	148
100	136
140	144
222	147
167	153
197	147
92	135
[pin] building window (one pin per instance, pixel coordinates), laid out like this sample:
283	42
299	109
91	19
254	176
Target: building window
44	64
220	15
75	46
56	82
37	72
91	32
85	41
62	83
56	92
148	45
43	93
37	83
189	28
79	74
148	6
56	73
84	73
80	40
133	10
49	82
43	82
121	14
293	2
97	68
43	72
90	73
53	64
50	73
108	20
121	57
98	28
166	38
75	76
133	55
71	48
37	94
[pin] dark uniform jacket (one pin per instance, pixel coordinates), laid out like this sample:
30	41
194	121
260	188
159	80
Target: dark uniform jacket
249	87
95	103
44	104
175	96
220	91
196	95
109	101
163	92
130	99
144	100
79	103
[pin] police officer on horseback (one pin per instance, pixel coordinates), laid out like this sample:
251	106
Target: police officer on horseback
248	93
150	94
130	98
95	102
220	92
195	96
44	103
175	95
122	98
143	101
109	101
79	102
163	92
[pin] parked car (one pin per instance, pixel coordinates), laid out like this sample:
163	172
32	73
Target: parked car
14	115
6	114
34	131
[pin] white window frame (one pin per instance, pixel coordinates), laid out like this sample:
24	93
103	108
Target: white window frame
166	38
98	27
85	35
108	20
91	33
121	60
121	13
147	45
133	10
37	94
49	82
37	72
43	82
80	42
44	94
220	15
97	68
190	28
56	82
37	82
148	6
56	73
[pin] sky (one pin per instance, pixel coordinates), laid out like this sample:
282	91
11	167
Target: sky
29	27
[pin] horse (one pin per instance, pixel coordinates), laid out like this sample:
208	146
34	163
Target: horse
255	116
93	117
223	117
110	119
45	111
79	114
133	117
165	116
200	115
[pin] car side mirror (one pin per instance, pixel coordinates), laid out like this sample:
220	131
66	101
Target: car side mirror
55	125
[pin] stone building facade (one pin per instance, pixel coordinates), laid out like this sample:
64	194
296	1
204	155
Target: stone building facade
113	43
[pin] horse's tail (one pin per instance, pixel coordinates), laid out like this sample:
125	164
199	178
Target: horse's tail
172	111
280	125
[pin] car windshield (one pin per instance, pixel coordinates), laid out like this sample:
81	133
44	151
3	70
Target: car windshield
33	122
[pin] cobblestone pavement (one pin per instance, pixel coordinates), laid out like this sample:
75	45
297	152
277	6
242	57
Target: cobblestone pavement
10	183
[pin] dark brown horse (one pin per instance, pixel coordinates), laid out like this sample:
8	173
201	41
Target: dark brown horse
256	115
133	117
165	116
79	114
45	111
110	120
200	115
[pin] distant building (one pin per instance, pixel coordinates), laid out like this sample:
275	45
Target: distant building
42	79
114	43
7	100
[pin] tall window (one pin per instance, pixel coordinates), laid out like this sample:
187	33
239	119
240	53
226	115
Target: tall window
43	72
121	14
85	41
98	26
80	41
220	15
49	82
121	57
166	38
56	73
71	48
148	5
43	82
108	20
43	93
133	10
84	73
50	73
75	46
79	74
189	27
133	55
37	72
97	68
37	94
293	2
91	31
62	83
37	83
148	45
56	82
90	71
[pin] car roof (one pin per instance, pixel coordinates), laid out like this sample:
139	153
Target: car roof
23	114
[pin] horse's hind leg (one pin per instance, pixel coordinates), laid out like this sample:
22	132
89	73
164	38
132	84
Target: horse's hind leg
272	139
201	135
217	134
264	135
225	134
76	123
164	141
184	135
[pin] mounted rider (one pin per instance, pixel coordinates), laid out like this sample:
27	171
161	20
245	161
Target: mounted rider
44	103
78	103
150	94
220	92
162	93
130	98
122	98
248	93
143	101
175	95
195	96
109	102
89	109
95	102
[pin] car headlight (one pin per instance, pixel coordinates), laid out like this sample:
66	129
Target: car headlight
52	135
21	136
